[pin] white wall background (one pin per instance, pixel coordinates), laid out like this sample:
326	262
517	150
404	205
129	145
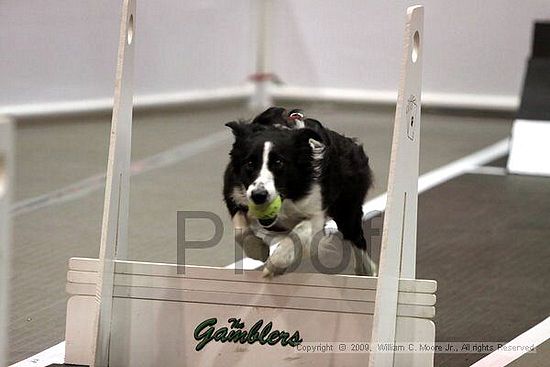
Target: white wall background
64	50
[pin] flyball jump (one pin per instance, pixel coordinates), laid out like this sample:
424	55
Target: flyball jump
127	313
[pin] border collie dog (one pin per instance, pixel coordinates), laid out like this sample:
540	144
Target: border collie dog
318	174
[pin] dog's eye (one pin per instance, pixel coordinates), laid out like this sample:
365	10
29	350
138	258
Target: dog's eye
278	164
249	165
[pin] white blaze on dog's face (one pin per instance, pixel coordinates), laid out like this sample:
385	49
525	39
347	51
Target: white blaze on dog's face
262	189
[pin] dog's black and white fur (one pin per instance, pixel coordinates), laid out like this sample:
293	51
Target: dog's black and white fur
317	172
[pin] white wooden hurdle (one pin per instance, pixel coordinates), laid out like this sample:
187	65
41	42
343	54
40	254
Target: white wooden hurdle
6	170
398	252
127	313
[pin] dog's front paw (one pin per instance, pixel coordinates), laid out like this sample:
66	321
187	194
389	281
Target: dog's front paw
267	272
281	259
271	270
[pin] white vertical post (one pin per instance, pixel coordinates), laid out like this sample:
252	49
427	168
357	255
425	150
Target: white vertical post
263	77
6	174
398	251
114	232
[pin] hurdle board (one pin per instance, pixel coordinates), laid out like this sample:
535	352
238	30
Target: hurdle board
6	173
156	312
127	313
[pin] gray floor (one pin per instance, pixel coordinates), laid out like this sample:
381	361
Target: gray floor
484	238
55	153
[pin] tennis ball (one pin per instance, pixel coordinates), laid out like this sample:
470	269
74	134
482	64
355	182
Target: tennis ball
266	211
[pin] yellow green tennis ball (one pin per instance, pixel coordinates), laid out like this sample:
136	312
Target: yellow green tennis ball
266	211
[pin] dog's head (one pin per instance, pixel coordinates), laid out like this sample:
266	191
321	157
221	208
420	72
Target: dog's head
272	156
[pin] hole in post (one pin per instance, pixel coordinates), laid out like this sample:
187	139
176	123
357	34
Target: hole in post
416	46
130	36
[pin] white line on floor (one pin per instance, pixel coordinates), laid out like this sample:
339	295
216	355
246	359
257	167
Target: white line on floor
514	349
87	186
425	182
463	165
489	170
56	354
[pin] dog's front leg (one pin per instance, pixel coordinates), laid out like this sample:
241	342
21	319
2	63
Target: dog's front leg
253	246
294	246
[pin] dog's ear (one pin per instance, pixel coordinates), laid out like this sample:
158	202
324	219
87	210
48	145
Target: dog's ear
307	139
310	148
238	128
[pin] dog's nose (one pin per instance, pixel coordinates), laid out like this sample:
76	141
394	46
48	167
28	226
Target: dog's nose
259	196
